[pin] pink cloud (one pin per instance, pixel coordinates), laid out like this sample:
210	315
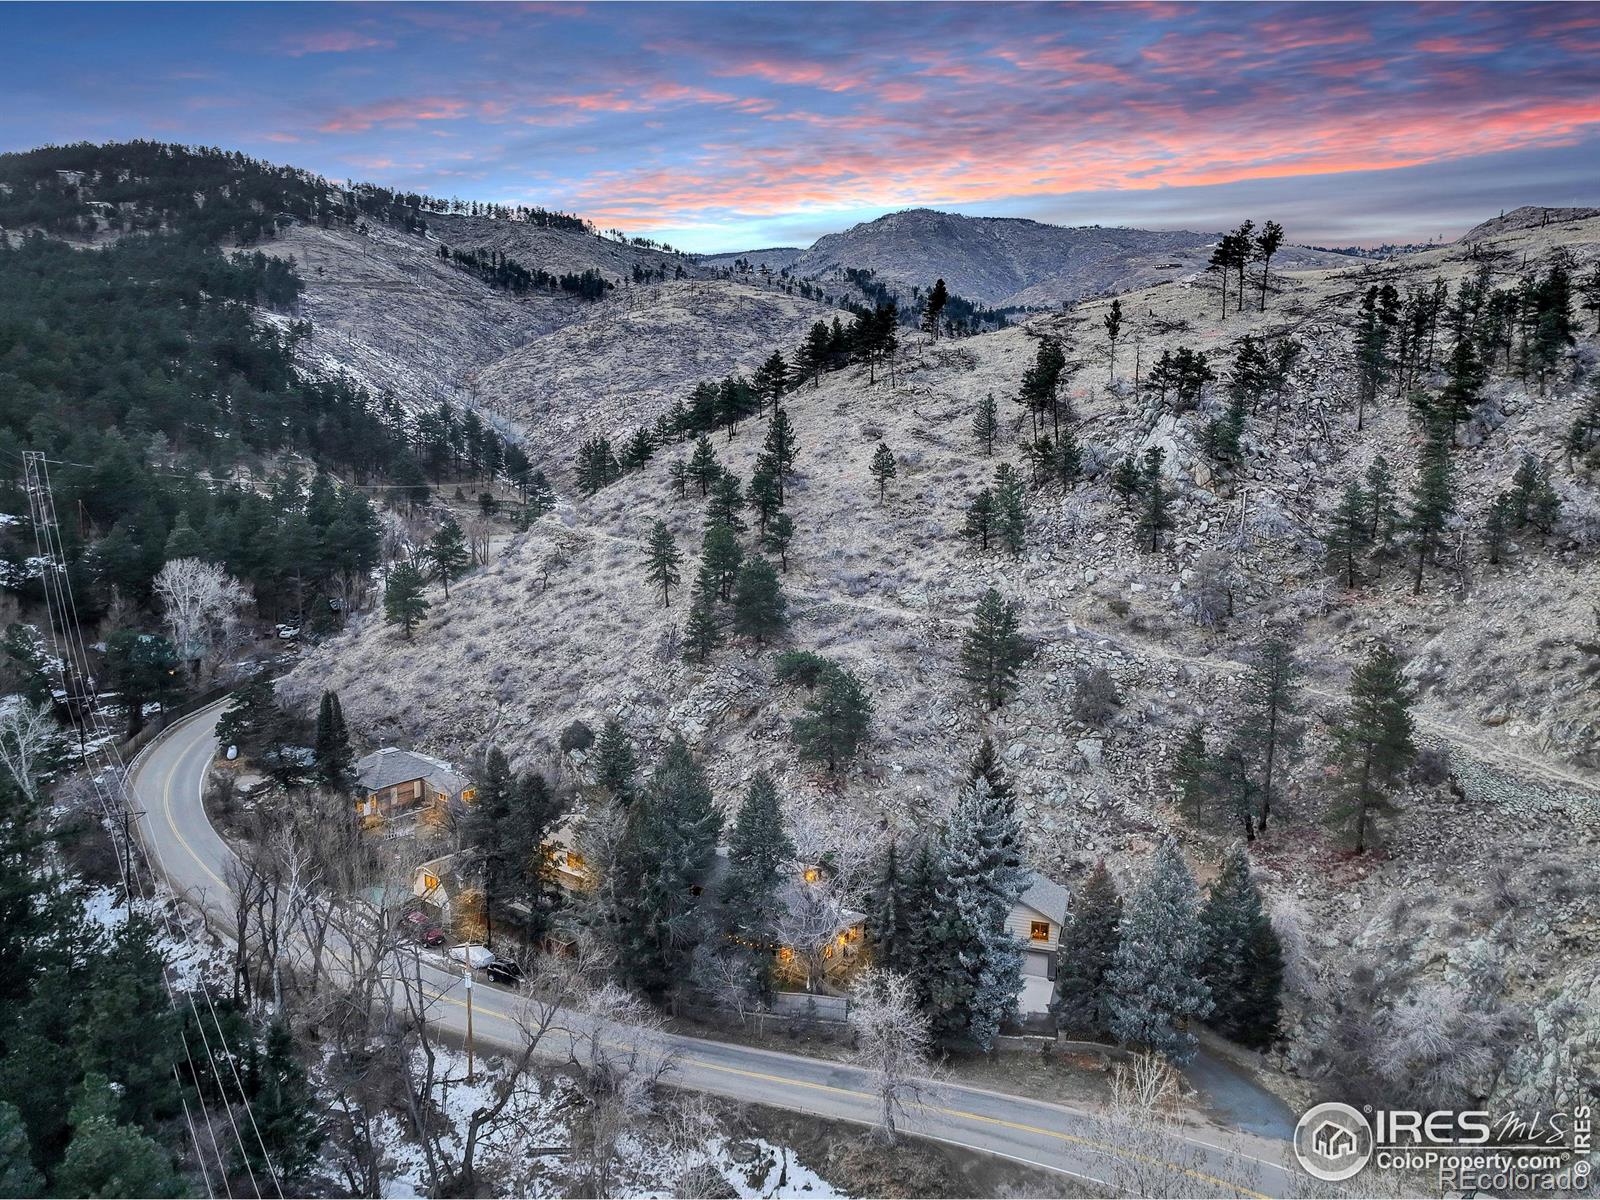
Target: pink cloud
399	111
334	41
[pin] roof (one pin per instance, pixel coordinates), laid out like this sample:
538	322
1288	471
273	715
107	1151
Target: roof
391	765
1045	896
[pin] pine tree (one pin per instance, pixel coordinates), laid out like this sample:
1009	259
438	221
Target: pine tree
986	765
883	467
765	493
720	556
283	1110
890	916
447	551
780	532
1067	462
980	519
1268	242
1155	982
18	1176
334	757
403	601
1126	481
760	609
974	965
671	834
703	466
986	423
727	498
1432	502
994	650
933	307
1080	1003
1465	377
1010	509
837	720
661	558
1113	323
1533	500
702	632
772	379
1383	517
759	856
615	764
678	474
1243	961
1155	517
1268	729
107	1157
1497	526
780	446
1191	769
1373	743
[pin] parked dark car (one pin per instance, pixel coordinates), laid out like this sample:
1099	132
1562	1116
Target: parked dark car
503	971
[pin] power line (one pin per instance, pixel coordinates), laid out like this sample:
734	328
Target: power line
116	803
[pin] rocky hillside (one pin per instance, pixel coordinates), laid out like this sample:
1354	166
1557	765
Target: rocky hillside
1481	898
623	361
1005	261
1529	216
556	249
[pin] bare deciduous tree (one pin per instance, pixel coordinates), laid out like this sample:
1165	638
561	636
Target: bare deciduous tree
893	1041
202	603
26	731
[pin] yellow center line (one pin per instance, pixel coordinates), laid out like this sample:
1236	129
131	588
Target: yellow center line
786	1081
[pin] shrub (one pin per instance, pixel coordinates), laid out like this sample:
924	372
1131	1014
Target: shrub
1095	699
577	736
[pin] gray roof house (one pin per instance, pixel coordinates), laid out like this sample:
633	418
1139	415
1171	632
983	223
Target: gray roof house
1035	920
393	781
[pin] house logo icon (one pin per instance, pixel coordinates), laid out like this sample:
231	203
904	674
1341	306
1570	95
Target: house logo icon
1333	1142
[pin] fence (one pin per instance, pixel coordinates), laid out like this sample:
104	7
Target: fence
812	1005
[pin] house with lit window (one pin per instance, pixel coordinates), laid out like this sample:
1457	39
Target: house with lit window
402	784
1035	920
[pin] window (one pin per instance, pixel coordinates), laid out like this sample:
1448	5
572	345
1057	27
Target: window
429	881
1039	931
470	794
812	875
575	861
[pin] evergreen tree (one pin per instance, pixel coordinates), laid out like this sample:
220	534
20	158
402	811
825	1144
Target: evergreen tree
1243	961
661	558
1067	460
1373	743
107	1157
403	601
1080	1002
1433	500
1269	728
335	759
1533	499
1126	481
780	532
974	964
703	466
727	498
765	494
760	609
283	1109
760	855
883	467
702	632
1155	982
720	556
143	667
1113	323
678	474
772	379
1383	516
980	519
1191	769
447	551
1155	517
933	307
837	720
1497	526
671	834
614	761
986	423
1010	509
1268	242
780	446
18	1176
1465	377
890	916
994	650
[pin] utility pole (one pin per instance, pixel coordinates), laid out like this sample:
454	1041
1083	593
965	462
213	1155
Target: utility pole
466	978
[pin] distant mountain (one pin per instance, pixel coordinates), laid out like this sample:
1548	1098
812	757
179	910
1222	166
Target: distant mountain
1008	261
774	258
1529	216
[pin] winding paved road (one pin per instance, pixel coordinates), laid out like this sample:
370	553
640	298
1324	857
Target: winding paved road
168	778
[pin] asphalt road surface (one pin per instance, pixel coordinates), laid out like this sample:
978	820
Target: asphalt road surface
167	782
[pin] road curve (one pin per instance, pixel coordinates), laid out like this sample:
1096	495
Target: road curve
167	781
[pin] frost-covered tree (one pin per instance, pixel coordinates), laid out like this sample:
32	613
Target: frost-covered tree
1243	964
894	1043
1156	986
201	603
973	968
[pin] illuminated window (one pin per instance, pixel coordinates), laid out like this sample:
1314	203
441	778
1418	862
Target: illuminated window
470	794
1039	931
812	875
827	952
574	861
785	954
430	881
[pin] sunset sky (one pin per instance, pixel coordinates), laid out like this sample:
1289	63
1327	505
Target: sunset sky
736	126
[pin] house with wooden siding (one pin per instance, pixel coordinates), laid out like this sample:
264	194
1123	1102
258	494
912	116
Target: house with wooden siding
1035	920
401	783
